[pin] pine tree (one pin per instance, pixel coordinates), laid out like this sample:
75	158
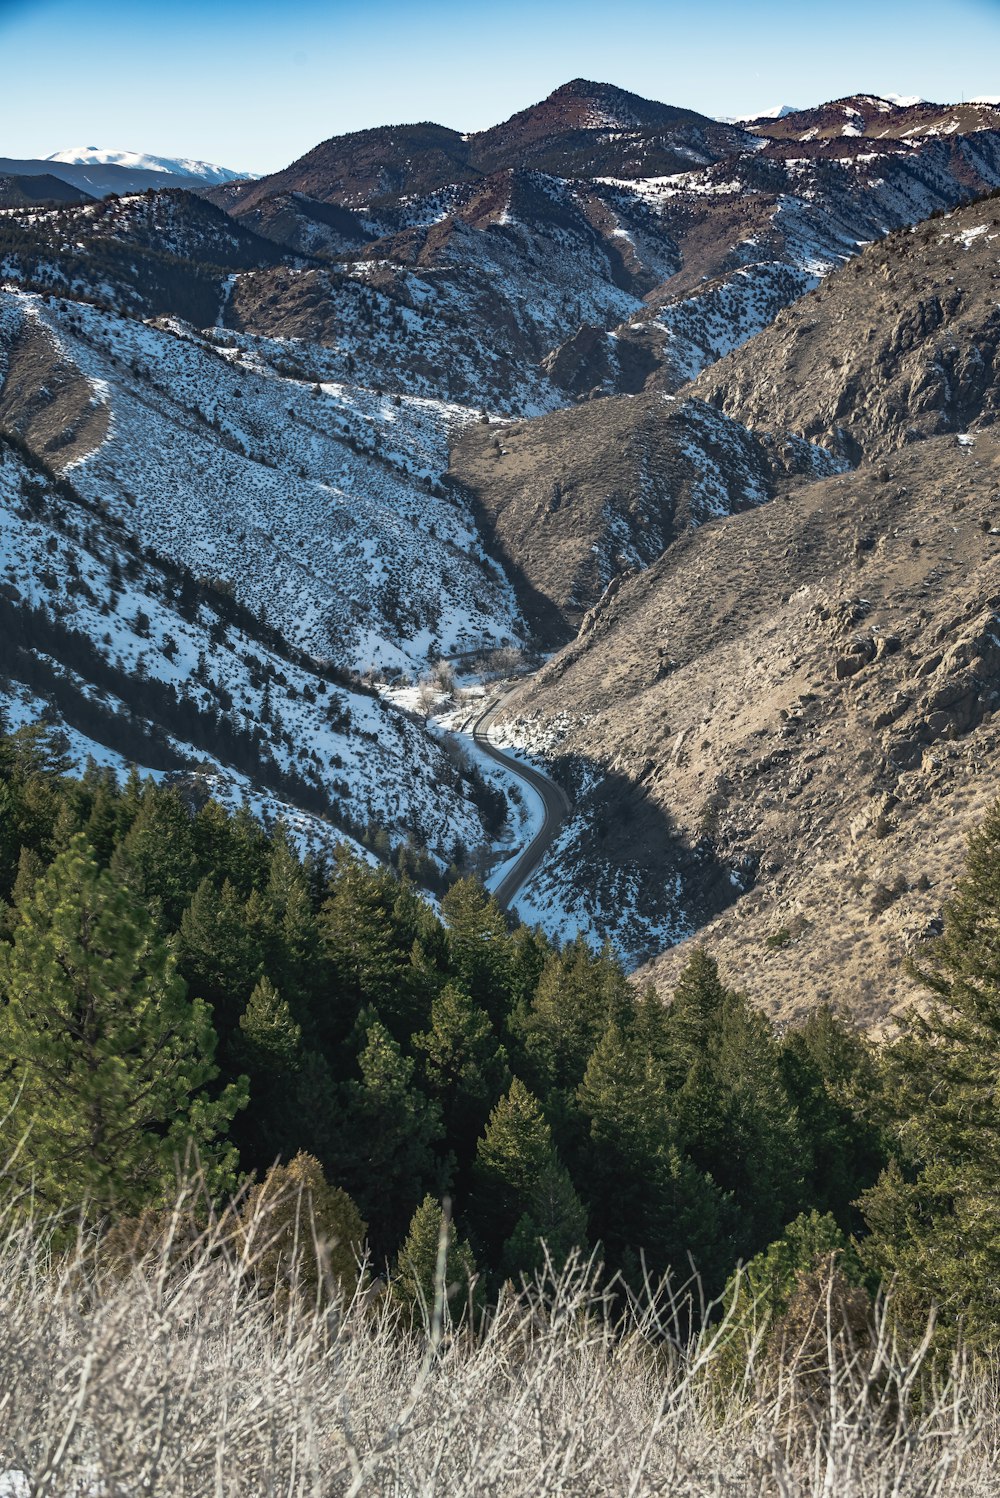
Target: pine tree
358	939
415	1284
645	1196
386	1148
935	1229
828	1068
480	946
220	952
269	1051
464	1064
732	1111
579	994
104	1060
553	1226
158	858
518	1174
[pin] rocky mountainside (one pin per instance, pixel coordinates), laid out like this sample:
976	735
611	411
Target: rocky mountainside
426	394
902	346
782	731
871	118
144	256
573	500
583	129
596	243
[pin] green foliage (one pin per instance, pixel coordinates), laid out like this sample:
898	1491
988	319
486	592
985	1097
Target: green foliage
464	1065
415	1285
389	1131
406	1056
733	1113
645	1195
935	1230
480	945
104	1061
578	994
305	1236
521	1190
759	1296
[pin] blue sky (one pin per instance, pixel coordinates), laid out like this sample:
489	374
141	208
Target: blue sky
254	83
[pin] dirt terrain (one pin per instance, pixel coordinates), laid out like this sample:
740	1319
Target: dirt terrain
805	693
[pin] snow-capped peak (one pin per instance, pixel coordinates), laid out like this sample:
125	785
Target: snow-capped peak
905	101
175	166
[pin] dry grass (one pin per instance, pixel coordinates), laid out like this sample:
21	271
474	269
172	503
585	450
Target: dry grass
176	1375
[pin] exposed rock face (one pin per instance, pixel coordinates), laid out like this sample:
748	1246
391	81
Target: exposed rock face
596	243
900	345
572	499
867	117
815	718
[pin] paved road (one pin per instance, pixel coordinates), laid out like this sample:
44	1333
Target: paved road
555	802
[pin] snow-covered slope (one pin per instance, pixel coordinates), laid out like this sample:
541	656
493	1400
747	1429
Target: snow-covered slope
175	166
318	504
142	662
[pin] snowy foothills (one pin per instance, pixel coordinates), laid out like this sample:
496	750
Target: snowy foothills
298	472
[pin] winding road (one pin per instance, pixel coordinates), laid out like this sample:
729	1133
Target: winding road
555	805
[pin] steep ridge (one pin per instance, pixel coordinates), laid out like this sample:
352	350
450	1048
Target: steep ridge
676	263
570	501
147	255
797	702
582	129
318	506
139	661
869	117
901	345
779	735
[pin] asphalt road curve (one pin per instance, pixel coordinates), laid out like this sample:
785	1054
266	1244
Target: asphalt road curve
555	802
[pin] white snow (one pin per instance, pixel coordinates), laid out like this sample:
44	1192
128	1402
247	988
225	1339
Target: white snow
141	161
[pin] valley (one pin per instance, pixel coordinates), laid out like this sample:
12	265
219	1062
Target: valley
499	751
688	407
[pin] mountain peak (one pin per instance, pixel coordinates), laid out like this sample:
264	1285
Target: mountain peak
174	166
586	104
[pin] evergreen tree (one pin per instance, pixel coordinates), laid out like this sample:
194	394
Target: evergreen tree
368	966
518	1174
935	1228
759	1295
104	1061
645	1196
480	946
415	1284
464	1065
220	952
732	1111
158	858
827	1069
269	1050
386	1148
554	1225
579	994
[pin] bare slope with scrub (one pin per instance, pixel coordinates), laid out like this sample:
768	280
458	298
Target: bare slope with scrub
899	346
571	500
804	694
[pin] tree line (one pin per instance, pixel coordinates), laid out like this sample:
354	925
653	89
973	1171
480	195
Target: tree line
174	977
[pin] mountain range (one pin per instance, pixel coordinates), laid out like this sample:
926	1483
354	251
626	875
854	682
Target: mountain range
700	410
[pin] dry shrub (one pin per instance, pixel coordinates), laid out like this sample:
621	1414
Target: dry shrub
177	1379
